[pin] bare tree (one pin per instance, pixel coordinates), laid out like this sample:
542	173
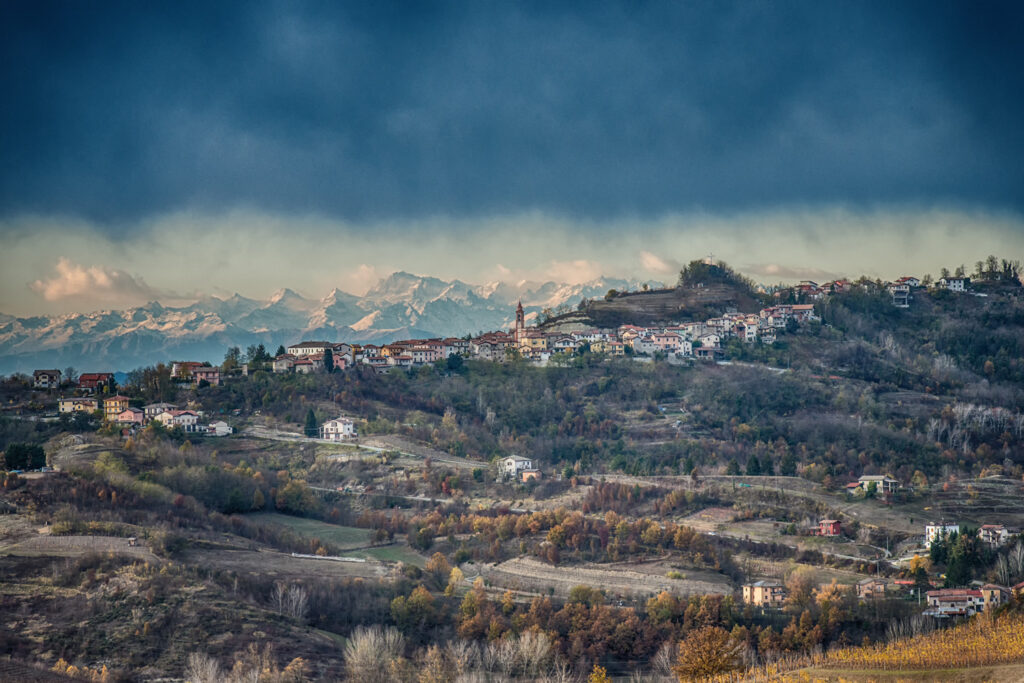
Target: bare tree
1003	570
292	601
1017	560
297	602
202	668
462	655
371	651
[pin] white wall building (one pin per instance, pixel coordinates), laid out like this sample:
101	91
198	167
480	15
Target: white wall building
338	429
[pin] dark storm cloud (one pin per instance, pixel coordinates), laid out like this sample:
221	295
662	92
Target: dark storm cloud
372	110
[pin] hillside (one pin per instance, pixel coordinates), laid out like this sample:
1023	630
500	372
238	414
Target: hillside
703	291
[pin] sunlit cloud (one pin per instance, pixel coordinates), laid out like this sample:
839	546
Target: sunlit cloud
93	284
658	264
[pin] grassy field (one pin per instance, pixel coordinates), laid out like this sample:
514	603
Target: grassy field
342	536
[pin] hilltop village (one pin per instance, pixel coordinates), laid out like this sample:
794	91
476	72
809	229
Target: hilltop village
812	476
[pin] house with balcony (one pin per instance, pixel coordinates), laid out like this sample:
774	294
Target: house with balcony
46	379
764	594
338	429
114	406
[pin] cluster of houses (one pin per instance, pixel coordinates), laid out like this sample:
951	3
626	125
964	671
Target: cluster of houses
118	410
693	340
942	603
900	289
992	535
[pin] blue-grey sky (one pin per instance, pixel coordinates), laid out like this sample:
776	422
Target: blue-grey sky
373	127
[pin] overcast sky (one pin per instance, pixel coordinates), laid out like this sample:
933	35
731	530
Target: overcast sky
153	150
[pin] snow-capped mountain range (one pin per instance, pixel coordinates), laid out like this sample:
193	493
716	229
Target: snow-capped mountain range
401	306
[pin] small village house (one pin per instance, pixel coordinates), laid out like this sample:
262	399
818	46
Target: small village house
338	429
153	409
934	532
830	527
46	379
131	416
871	588
206	374
114	406
884	485
993	595
96	381
764	594
77	404
993	535
954	602
514	464
187	420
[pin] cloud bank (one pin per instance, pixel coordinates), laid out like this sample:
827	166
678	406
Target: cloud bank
255	253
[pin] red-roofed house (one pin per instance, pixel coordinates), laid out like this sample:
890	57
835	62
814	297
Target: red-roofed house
95	381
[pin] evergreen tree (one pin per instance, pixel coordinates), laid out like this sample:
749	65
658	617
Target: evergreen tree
787	467
328	360
312	426
753	466
733	468
280	351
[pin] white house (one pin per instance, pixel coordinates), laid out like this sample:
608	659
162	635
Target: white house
954	602
219	428
338	429
154	409
710	340
994	535
514	464
186	419
954	284
685	348
309	348
933	532
46	379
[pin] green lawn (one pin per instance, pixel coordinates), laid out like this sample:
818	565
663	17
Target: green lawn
342	536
